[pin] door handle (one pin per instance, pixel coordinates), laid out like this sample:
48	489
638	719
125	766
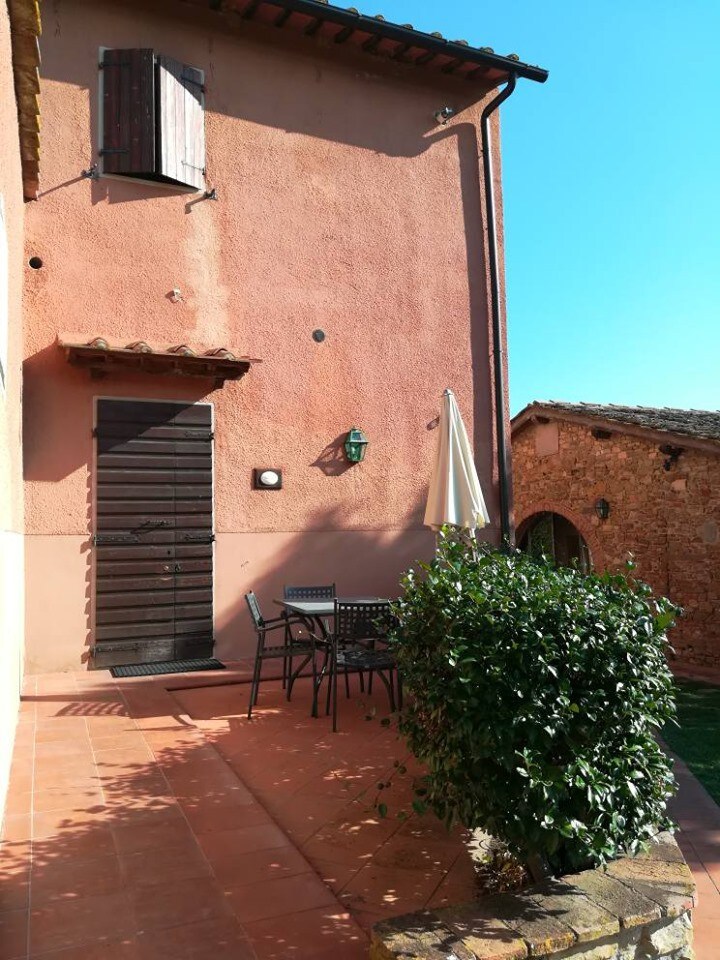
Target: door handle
178	568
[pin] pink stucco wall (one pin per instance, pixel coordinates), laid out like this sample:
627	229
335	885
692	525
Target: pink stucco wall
11	507
342	206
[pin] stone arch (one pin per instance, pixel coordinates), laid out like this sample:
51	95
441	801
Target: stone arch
581	523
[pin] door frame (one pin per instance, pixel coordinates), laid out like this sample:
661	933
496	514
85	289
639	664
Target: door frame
94	498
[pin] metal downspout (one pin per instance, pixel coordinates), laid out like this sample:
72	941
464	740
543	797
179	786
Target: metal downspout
506	531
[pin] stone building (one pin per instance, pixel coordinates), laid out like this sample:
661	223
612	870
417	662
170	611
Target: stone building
600	483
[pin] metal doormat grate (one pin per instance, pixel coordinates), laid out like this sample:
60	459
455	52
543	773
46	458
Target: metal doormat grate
166	666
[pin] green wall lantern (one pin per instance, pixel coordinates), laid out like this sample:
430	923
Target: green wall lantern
355	444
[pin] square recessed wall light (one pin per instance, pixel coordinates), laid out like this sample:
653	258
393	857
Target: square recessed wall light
267	478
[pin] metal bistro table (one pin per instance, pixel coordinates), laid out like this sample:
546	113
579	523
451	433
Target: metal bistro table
318	612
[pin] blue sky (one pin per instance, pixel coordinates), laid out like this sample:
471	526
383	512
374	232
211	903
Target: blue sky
612	194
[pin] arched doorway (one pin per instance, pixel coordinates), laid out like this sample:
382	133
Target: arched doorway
554	536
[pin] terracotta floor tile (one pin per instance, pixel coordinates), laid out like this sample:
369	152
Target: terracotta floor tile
260	865
18	804
73	847
157	830
75	821
125	949
17	827
302	818
23	752
127	739
135	757
221	938
14	858
366	919
13	934
351	840
58	730
57	749
166	864
166	740
312	935
14	893
234	843
279	898
120	788
335	875
389	891
410	853
84	796
179	902
211	817
20	780
73	881
109	726
706	939
60	771
459	885
61	924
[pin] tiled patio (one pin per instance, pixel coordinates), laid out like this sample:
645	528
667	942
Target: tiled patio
148	823
148	819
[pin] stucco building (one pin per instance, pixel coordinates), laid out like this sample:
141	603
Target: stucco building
248	227
599	483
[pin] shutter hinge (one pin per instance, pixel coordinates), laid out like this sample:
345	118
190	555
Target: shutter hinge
106	150
120	63
193	167
196	83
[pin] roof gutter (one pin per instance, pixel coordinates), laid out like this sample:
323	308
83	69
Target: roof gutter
506	528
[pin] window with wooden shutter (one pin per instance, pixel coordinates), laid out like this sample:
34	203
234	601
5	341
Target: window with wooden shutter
153	119
181	127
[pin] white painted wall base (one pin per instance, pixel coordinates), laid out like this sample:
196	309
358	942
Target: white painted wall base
11	647
59	583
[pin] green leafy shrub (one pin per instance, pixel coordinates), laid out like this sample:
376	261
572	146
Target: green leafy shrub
534	696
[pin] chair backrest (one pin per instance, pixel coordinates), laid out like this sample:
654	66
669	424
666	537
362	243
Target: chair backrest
254	608
327	592
361	619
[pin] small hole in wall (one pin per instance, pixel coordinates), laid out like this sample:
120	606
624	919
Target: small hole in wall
35	262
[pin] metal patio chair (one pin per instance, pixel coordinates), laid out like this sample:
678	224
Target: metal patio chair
357	625
291	646
318	592
324	592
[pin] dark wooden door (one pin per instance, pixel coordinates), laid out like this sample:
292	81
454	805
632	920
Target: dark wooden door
153	532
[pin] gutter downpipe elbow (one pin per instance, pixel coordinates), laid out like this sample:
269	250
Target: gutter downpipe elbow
506	531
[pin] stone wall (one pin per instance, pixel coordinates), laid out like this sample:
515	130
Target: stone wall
636	909
669	520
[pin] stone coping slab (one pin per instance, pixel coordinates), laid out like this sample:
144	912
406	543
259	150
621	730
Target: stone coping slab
591	913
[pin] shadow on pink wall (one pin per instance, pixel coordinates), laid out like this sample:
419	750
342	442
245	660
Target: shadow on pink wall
359	562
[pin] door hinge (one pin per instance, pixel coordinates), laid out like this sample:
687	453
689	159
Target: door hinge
107	539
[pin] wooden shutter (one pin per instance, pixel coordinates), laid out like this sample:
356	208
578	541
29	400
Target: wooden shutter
182	123
128	112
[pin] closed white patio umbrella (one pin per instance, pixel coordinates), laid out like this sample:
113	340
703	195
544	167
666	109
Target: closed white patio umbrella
455	496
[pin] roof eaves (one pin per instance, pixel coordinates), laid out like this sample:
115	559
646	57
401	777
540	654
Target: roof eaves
351	21
558	410
25	30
